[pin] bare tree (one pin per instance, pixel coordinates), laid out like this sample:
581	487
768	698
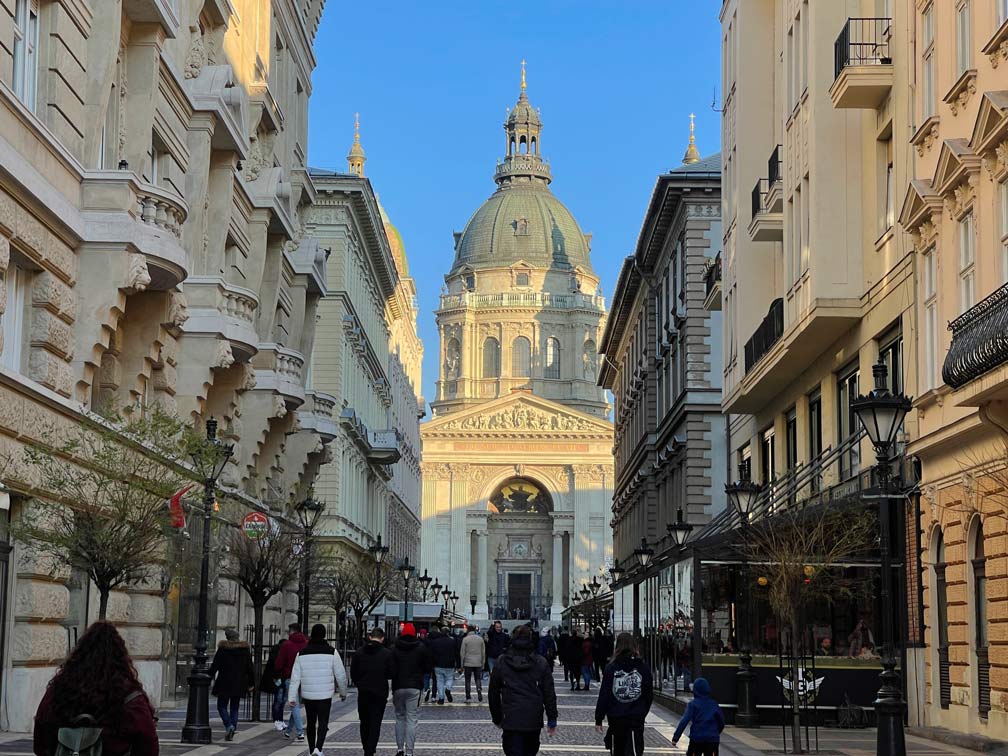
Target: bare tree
101	496
263	567
801	552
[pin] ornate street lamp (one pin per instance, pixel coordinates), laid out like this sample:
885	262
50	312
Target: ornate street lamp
406	571
424	582
679	531
378	552
644	554
881	413
211	462
436	588
743	495
454	600
309	511
616	572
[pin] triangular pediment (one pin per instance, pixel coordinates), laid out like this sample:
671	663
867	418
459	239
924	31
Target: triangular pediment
954	163
522	264
520	414
992	121
918	205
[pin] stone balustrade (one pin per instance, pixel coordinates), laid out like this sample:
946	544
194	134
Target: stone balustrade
533	299
156	207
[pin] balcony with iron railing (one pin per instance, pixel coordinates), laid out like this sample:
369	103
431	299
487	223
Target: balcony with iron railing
977	361
767	223
775	181
863	64
767	334
712	284
531	299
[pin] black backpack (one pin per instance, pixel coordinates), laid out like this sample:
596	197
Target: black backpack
83	738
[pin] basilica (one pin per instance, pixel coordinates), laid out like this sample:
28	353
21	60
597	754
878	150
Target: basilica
518	466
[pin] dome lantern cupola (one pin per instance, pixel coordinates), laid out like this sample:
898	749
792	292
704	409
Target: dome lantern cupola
356	158
692	154
522	159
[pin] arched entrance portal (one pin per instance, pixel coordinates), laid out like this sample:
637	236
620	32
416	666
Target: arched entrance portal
520	530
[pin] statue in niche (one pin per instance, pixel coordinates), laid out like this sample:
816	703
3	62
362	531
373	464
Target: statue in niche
452	360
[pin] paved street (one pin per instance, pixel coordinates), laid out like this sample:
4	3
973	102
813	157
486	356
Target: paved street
466	729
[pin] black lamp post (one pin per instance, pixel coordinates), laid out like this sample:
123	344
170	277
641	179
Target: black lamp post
378	551
472	603
406	570
644	556
308	511
454	600
616	572
424	582
197	724
679	532
881	413
742	496
436	588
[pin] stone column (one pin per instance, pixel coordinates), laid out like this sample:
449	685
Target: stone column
556	610
482	609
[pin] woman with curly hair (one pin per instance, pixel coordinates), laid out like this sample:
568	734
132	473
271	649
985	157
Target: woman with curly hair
99	679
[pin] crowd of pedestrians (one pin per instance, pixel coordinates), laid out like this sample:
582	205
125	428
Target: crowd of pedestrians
96	704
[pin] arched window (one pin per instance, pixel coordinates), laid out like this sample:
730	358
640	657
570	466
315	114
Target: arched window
523	144
941	620
491	358
551	365
521	358
979	563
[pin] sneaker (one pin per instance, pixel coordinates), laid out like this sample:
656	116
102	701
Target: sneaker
479	697
440	702
229	735
426	698
278	726
447	694
300	739
399	753
286	733
468	699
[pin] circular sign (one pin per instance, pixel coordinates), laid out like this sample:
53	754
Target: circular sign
255	525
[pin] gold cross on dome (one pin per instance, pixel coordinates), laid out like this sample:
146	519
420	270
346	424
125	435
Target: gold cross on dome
523	75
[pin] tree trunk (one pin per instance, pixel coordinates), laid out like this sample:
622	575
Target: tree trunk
257	660
795	698
103	596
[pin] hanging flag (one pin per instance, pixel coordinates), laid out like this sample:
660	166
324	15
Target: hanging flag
176	515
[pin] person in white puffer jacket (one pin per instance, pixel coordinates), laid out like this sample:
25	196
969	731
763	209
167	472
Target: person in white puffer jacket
318	671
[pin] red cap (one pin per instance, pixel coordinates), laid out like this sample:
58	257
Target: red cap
408	629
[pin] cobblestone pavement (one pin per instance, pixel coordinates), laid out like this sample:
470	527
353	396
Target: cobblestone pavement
461	728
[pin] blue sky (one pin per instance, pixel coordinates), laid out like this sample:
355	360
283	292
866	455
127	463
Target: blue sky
433	82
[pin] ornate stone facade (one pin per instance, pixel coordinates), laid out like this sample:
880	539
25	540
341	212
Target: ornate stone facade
517	472
368	353
153	251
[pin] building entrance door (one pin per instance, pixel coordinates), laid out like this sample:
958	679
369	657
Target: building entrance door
520	595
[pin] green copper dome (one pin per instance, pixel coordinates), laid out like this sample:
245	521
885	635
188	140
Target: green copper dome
522	220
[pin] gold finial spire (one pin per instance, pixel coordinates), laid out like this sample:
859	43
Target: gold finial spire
523	75
356	158
692	154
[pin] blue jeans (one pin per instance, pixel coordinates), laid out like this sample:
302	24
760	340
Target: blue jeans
227	707
295	722
277	708
586	674
445	679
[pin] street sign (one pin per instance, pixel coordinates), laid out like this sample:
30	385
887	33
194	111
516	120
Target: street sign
255	525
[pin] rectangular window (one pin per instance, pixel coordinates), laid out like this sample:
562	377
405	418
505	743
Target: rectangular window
767	456
790	67
927	62
847	422
806	211
964	42
1003	188
930	319
815	435
791	439
26	31
804	46
745	463
1002	11
522	279
891	354
12	321
967	270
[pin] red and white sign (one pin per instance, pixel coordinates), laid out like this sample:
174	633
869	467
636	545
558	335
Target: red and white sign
255	525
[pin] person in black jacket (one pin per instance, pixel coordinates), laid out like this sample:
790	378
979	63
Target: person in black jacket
232	675
445	657
371	669
521	688
271	684
497	642
625	698
412	662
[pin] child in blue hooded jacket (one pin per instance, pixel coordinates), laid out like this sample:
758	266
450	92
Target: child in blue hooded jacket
707	721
